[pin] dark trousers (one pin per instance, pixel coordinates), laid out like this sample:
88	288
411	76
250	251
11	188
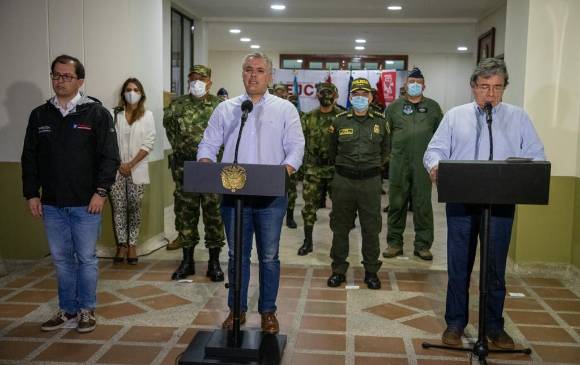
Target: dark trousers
463	229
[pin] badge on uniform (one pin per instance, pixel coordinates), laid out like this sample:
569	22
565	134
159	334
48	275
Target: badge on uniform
407	109
331	129
345	131
377	129
422	110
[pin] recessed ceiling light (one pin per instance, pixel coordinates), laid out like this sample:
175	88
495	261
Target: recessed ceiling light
462	48
255	46
360	40
245	39
278	7
395	7
299	61
390	62
359	48
235	31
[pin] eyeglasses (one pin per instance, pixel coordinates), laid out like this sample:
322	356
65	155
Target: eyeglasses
487	88
63	77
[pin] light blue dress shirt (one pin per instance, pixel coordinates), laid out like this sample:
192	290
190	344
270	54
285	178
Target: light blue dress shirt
272	134
463	135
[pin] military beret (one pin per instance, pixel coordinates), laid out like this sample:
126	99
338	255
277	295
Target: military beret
326	86
279	87
416	73
360	84
200	69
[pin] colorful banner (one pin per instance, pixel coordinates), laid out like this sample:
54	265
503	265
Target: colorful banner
389	86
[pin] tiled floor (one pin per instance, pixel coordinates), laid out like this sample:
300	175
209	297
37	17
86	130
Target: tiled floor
145	318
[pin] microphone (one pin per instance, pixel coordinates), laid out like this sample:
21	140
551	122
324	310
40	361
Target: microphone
488	108
246	107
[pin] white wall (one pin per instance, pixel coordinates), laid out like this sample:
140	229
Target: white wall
447	75
496	19
115	39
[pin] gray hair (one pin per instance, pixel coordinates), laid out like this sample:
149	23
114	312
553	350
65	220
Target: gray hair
487	68
258	55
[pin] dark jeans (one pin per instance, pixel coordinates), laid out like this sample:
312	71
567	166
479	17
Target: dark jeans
262	216
463	229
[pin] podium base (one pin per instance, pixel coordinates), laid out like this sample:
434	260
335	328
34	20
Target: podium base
216	347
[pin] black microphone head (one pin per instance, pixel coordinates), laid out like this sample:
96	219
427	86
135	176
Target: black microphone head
487	107
247	106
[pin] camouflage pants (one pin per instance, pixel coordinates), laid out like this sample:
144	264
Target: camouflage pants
186	207
292	191
311	191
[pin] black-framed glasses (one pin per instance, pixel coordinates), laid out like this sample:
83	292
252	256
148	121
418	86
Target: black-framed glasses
486	88
64	77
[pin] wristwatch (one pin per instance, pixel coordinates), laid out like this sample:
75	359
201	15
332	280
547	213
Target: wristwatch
101	192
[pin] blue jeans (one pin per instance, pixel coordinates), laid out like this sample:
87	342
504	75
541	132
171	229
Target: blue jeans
72	235
463	229
262	216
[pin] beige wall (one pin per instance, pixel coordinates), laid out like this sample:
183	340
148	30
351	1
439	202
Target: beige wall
495	19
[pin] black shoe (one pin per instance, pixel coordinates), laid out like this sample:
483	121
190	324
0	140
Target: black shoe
386	209
214	270
335	280
187	266
307	246
290	222
372	280
58	321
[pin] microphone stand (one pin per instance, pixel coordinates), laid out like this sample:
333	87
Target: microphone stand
480	348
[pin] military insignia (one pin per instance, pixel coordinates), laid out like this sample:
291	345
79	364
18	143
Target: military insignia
407	109
331	129
233	177
376	129
422	110
345	131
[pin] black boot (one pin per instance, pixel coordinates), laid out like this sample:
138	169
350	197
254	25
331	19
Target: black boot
307	245
290	222
187	266
214	271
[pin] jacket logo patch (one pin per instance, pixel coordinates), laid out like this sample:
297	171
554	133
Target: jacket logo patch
44	129
83	126
345	131
377	129
422	110
407	109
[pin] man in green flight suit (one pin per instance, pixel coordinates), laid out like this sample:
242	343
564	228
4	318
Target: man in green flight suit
413	119
281	91
185	120
359	143
317	168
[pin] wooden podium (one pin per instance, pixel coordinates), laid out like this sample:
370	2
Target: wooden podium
250	346
514	181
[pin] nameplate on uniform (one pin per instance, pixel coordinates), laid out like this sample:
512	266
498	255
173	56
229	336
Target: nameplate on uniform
376	129
422	110
345	131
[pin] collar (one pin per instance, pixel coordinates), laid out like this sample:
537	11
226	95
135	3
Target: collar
480	110
70	105
263	98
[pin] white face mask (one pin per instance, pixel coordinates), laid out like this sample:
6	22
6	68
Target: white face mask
132	97
197	88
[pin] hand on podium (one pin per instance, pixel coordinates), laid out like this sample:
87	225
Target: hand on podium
205	160
290	169
433	174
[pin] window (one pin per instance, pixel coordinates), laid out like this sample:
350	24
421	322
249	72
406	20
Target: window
343	62
181	50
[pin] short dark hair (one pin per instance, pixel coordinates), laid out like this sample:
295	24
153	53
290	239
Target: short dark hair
64	59
490	67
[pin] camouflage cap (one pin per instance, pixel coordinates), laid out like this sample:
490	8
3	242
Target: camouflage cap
326	86
279	87
200	69
360	84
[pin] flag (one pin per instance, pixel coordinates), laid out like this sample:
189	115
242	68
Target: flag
348	105
295	91
380	98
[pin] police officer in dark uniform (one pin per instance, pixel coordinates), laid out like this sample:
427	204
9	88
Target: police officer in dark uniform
413	119
358	147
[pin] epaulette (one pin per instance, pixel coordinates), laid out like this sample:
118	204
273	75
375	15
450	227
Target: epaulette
377	114
343	113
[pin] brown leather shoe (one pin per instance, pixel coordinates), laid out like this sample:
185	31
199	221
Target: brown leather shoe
502	340
452	336
270	323
229	322
120	255
174	245
132	255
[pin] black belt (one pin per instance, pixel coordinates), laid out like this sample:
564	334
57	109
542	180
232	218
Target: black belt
358	174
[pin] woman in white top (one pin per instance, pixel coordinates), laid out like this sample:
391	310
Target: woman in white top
136	136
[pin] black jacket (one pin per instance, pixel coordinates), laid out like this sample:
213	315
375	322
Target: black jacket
69	157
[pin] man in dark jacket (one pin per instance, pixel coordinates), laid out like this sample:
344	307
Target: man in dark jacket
69	162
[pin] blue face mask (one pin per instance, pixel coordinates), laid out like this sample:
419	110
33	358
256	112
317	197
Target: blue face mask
359	103
414	89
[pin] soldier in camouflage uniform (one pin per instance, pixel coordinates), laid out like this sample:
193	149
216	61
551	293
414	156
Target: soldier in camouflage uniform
281	91
318	170
185	120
